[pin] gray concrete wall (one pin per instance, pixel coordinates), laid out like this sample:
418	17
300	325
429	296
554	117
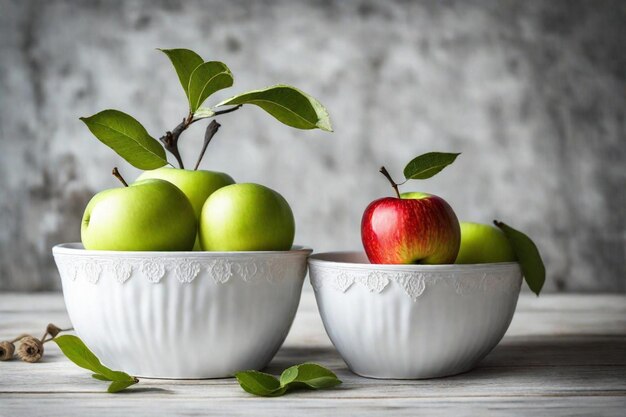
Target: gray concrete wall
532	93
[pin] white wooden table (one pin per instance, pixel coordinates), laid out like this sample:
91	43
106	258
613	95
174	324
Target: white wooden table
563	355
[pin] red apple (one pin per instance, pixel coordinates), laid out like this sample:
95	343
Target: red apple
417	228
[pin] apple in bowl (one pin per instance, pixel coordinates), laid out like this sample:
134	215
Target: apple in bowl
416	228
149	215
412	227
197	185
483	243
246	217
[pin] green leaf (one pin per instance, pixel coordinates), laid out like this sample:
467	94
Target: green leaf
185	62
287	104
307	375
259	383
127	137
310	375
76	351
527	255
202	113
205	80
428	164
117	386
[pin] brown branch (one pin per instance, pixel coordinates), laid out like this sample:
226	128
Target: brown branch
232	109
170	139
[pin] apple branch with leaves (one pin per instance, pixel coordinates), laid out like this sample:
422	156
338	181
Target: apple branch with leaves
200	79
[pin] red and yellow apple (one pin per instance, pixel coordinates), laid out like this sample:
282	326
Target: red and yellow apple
417	228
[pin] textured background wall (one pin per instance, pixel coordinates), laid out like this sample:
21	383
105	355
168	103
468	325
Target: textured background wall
532	93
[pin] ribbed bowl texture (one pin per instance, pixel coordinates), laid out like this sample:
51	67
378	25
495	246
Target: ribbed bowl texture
181	314
413	321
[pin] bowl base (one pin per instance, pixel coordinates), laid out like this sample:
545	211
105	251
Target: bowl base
433	376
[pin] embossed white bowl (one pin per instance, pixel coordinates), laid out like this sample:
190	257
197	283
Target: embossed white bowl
181	314
413	321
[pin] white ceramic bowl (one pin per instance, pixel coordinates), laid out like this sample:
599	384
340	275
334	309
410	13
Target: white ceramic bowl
181	314
413	321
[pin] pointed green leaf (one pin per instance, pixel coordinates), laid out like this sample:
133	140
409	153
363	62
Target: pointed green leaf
287	104
117	386
310	375
127	137
184	62
428	164
205	80
259	383
76	351
527	255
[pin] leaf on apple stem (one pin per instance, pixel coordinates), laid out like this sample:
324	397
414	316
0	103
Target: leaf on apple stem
527	255
205	80
288	105
428	165
76	351
185	62
127	137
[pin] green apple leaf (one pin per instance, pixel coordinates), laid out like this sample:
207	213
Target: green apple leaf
185	62
127	137
306	375
205	80
260	383
117	386
527	255
428	165
309	375
288	105
76	351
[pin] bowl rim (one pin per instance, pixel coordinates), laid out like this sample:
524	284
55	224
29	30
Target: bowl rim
317	259
77	249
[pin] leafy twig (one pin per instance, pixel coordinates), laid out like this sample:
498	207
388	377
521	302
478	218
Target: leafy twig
170	139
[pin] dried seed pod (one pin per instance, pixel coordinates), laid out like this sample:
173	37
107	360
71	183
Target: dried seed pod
6	350
52	330
30	349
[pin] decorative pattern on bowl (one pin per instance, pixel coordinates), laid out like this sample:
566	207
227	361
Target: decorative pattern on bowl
413	321
182	314
185	270
414	283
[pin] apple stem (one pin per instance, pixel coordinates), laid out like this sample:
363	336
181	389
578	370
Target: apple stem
211	130
384	171
116	174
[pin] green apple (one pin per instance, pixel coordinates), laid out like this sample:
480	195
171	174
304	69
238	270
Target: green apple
197	185
483	243
246	217
150	215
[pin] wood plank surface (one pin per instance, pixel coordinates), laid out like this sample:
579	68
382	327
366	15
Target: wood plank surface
563	355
